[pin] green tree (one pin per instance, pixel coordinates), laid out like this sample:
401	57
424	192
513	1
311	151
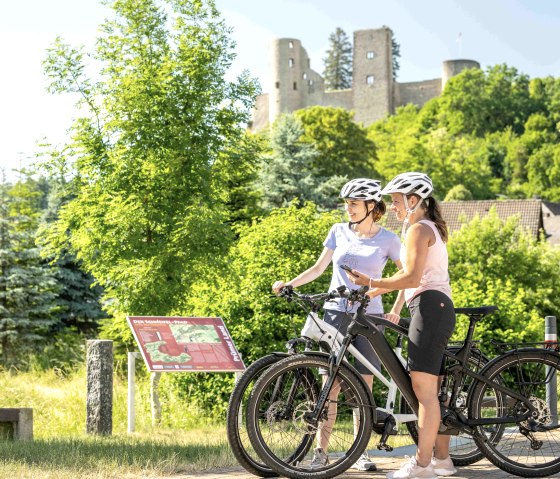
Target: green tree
458	193
287	172
278	246
476	102
27	286
144	218
342	145
396	49
495	262
338	62
543	172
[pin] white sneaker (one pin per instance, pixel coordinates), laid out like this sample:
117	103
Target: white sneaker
412	470
320	459
364	463
443	467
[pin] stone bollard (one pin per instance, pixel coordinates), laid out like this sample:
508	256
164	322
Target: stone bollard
99	401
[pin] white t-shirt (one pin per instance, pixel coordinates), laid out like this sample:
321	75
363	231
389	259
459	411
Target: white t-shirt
367	255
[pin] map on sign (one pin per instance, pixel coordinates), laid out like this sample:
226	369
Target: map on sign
177	344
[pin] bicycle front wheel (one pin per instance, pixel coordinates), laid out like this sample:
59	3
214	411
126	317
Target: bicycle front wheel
528	448
236	414
278	417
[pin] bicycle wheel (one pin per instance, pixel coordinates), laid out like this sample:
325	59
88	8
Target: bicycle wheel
277	417
529	448
236	417
462	448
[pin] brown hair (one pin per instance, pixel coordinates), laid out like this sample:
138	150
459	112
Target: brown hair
433	212
379	209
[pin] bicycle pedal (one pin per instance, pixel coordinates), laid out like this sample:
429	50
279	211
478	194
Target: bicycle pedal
384	447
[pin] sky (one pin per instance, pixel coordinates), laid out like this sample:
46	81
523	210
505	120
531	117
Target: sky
524	34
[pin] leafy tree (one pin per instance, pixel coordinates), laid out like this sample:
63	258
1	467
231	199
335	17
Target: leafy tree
143	218
342	145
338	62
495	262
458	193
238	289
476	102
27	287
287	173
543	171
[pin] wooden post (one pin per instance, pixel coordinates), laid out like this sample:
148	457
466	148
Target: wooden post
99	400
154	399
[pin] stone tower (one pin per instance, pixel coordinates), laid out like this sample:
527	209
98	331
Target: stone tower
372	78
288	62
454	67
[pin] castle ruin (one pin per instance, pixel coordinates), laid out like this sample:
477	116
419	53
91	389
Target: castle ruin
374	93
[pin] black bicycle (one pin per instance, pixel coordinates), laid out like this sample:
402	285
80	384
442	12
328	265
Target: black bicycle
463	449
505	410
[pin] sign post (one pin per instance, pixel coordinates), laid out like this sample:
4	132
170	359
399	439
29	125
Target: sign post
180	344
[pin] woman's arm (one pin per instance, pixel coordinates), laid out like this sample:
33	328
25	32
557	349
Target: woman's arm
417	243
309	274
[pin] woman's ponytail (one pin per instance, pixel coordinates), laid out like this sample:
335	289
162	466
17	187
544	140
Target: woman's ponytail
433	212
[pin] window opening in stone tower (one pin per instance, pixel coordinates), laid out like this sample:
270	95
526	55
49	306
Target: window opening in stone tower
291	44
370	79
277	84
305	76
295	85
370	55
291	62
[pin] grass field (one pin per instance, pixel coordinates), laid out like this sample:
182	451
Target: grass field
185	443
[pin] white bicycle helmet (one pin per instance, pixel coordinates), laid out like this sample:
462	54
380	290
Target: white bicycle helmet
408	183
362	189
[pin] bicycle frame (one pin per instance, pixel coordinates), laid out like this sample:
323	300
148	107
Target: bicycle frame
318	330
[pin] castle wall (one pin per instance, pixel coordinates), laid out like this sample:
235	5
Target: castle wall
417	93
339	99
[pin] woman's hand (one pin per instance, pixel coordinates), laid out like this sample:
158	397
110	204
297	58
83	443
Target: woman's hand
278	285
393	317
358	278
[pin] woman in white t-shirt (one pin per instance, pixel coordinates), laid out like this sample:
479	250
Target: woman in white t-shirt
363	245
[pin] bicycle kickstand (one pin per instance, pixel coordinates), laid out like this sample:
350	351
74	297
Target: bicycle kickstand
389	428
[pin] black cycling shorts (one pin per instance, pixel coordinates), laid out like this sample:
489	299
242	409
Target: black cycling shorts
432	324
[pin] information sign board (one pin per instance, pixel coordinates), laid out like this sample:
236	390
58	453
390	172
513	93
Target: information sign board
180	344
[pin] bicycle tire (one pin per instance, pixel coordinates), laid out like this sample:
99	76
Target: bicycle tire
276	427
462	447
235	419
520	451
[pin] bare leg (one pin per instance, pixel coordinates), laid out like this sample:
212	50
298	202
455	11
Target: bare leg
425	387
441	450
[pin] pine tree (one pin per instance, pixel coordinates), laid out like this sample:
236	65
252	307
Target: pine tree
288	172
338	62
396	51
27	287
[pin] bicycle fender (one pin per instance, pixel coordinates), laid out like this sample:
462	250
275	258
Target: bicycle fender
354	370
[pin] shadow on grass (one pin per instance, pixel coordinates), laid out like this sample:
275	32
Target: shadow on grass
127	453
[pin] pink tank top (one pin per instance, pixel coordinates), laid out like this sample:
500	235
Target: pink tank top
436	274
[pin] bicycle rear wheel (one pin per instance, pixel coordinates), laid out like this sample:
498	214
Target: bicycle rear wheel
528	448
277	417
236	417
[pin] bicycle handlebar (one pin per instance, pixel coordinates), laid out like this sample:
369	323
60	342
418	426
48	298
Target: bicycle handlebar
354	295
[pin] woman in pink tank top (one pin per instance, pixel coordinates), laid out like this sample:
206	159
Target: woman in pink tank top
423	283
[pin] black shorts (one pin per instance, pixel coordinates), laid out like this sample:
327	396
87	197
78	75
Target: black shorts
341	320
432	324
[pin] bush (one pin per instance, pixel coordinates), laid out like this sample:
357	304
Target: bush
492	261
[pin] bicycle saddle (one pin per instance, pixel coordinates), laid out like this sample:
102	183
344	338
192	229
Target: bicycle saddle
479	311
